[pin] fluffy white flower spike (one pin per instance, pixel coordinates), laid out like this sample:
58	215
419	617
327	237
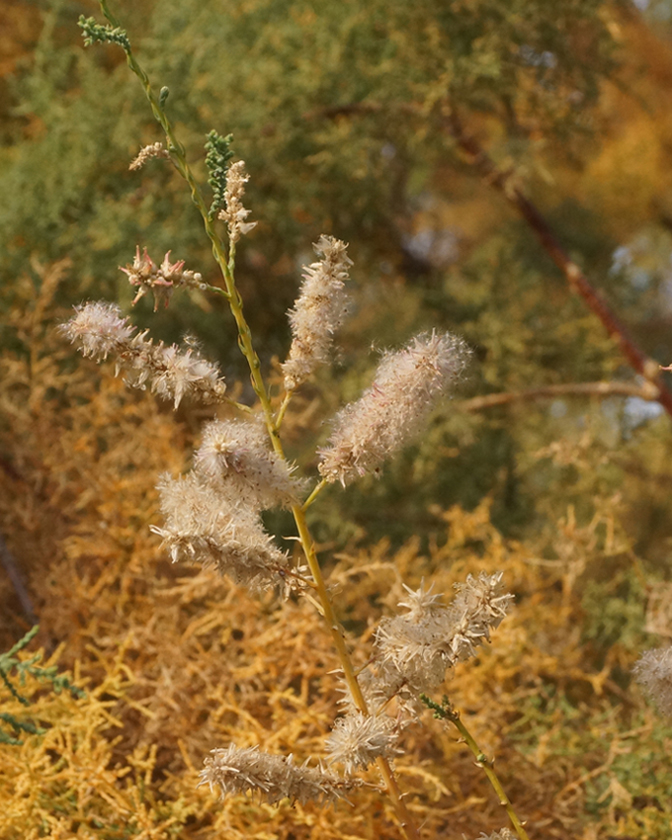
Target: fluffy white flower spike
235	457
99	331
417	648
394	409
273	777
357	740
318	312
202	527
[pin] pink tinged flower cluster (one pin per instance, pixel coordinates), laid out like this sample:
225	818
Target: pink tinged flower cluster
394	409
653	671
235	458
416	649
202	527
99	331
160	280
234	214
273	777
318	312
357	740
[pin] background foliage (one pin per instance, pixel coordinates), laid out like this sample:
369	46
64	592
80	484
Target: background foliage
338	111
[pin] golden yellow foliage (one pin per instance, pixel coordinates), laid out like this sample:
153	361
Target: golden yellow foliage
176	661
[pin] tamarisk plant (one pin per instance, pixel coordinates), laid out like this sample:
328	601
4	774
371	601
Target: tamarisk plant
212	515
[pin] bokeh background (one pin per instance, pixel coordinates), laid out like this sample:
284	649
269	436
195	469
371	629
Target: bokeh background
339	111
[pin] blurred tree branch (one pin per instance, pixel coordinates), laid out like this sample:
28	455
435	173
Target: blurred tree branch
503	182
648	392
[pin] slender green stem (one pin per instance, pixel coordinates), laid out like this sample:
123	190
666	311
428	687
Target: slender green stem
445	711
178	156
239	406
280	416
316	491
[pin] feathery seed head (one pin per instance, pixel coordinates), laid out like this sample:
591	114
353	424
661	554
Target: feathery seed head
318	312
203	526
417	648
235	457
98	329
357	740
273	777
420	602
394	409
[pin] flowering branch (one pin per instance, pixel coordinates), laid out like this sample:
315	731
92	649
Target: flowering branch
231	293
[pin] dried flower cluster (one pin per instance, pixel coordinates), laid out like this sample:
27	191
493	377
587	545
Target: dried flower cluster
318	311
235	458
234	214
653	671
414	650
205	527
274	777
393	410
160	280
99	331
357	740
155	150
212	515
412	653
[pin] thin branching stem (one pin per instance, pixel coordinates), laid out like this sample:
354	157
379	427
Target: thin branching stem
315	493
280	416
445	711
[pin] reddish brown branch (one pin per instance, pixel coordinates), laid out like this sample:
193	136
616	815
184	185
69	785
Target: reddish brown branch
580	389
503	182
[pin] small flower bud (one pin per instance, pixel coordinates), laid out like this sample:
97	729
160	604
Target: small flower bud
156	150
160	280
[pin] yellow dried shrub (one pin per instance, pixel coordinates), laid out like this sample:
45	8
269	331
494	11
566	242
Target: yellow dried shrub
176	661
